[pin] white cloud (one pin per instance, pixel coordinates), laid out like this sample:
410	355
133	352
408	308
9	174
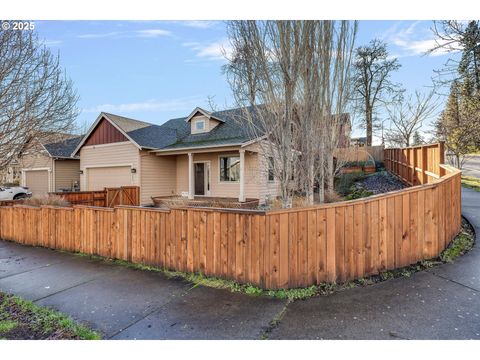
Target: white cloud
186	103
150	33
52	43
100	35
412	40
210	51
147	33
199	24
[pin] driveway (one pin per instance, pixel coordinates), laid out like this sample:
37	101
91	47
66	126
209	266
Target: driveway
472	166
123	303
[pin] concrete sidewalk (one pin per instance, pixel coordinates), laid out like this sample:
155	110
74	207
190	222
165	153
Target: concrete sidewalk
123	303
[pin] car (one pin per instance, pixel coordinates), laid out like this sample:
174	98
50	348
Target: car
14	192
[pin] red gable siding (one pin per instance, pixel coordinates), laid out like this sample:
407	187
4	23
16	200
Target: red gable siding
105	133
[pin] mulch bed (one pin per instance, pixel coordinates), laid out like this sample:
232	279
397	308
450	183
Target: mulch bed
380	182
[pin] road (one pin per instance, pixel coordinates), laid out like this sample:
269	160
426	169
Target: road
472	166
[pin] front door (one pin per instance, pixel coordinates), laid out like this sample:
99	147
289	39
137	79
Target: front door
201	170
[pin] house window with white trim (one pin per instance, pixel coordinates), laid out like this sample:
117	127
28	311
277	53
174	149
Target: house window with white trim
229	168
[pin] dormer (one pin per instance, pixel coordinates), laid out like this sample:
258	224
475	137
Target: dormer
202	121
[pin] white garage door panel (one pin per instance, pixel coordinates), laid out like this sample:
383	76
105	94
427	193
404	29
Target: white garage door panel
37	181
100	178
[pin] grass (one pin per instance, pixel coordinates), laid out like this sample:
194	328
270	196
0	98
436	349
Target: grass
471	183
22	319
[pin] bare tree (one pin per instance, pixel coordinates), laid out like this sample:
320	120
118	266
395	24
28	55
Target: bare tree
294	76
407	116
372	84
35	95
273	61
463	37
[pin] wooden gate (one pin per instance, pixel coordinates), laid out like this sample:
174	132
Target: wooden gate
125	195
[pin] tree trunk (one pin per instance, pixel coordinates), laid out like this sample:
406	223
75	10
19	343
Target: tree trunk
369	126
330	174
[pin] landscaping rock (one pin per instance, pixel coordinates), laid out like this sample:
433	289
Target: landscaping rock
380	182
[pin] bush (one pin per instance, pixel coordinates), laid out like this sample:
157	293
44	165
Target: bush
52	200
345	182
358	194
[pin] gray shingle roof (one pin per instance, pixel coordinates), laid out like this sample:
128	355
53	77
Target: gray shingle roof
127	124
231	131
63	148
175	133
153	136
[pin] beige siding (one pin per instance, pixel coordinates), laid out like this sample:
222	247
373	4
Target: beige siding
67	173
108	177
117	154
158	176
210	124
218	188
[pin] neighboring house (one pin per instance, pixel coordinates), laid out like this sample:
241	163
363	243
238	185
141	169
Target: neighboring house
359	141
50	167
203	154
11	173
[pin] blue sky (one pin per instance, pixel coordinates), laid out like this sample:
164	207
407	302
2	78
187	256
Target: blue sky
158	70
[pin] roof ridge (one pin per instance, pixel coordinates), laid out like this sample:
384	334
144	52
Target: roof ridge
127	118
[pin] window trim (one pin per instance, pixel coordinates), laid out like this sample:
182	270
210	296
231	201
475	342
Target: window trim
220	169
200	121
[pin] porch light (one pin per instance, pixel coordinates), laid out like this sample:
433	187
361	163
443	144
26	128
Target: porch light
133	170
81	172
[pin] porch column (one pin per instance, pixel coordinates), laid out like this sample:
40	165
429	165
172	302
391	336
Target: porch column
191	191
241	196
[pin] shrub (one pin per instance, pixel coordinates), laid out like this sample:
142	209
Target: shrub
52	200
345	181
358	194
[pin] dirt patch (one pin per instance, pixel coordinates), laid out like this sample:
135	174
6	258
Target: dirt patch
23	320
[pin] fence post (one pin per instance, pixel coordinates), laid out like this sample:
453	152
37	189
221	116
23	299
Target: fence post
441	158
424	165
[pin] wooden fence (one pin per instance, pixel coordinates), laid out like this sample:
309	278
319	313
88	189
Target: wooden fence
274	249
360	153
109	197
416	165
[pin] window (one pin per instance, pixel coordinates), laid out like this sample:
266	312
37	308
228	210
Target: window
270	169
200	125
229	168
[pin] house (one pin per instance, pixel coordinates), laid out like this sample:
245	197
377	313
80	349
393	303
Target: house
209	154
359	141
49	167
10	174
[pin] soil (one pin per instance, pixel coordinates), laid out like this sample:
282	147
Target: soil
30	325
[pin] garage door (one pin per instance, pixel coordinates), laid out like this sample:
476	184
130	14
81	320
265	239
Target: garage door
99	178
37	181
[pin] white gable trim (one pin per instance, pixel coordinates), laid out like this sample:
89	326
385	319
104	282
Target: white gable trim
203	112
94	125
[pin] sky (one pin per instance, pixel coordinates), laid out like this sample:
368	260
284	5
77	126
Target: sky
158	70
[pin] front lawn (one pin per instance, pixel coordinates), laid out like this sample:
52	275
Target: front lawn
23	320
471	183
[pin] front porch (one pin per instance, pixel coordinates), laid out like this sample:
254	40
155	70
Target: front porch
223	175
